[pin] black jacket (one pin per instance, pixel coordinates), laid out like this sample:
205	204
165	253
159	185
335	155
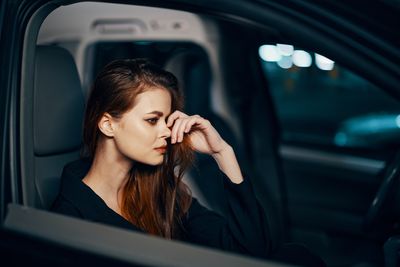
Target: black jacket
242	232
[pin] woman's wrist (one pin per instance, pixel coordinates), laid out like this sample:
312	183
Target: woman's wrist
227	162
225	148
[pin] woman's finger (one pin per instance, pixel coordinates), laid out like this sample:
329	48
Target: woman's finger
191	122
175	129
183	127
180	131
174	116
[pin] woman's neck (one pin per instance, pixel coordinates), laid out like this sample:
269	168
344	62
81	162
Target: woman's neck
107	176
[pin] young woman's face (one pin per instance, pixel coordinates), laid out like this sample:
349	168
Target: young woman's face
141	133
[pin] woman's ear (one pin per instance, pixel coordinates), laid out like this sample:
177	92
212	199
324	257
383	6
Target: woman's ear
106	125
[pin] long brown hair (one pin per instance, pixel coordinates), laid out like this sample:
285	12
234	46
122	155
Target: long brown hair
154	198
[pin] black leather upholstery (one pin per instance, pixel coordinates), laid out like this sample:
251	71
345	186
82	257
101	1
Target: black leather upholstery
58	102
57	119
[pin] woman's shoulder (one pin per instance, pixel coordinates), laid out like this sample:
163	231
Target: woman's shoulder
77	168
64	206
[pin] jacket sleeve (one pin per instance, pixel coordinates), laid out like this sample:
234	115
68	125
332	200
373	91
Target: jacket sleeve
240	231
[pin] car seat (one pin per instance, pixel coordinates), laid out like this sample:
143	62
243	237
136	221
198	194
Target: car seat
58	106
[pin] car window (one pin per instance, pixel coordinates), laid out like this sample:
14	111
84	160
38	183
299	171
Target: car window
100	53
320	102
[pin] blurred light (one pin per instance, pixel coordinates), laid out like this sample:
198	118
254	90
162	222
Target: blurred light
302	58
340	139
398	121
285	62
324	63
284	49
269	53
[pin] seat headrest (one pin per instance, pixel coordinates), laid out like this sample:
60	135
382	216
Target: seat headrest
58	102
193	71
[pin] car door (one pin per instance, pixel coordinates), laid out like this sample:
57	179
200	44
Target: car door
12	18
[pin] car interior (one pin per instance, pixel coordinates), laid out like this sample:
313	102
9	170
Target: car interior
61	142
319	183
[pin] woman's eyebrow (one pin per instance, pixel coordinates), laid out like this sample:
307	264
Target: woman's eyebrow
156	112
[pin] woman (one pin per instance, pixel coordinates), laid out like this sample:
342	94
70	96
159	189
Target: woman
139	144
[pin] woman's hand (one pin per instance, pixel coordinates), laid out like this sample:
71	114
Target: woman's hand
205	139
203	136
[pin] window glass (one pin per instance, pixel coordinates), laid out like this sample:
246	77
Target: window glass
319	102
100	53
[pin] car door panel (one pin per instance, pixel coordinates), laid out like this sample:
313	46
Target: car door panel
324	189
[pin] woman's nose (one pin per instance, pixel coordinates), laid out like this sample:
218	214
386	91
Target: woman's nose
165	132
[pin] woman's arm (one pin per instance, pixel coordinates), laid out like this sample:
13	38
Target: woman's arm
242	230
228	164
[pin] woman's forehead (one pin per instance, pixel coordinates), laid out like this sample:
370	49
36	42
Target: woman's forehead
153	99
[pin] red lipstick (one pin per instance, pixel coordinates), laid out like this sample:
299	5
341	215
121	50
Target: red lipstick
161	149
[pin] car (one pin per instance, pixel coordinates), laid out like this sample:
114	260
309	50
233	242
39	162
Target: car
294	86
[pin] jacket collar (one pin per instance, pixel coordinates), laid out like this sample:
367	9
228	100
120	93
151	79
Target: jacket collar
89	204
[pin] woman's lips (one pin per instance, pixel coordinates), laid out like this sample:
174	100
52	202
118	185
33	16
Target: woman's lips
161	150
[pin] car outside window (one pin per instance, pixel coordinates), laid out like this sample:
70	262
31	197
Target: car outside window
320	102
100	53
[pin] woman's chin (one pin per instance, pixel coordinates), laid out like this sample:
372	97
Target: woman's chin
155	162
151	161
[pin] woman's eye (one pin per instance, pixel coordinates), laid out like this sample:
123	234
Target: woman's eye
152	120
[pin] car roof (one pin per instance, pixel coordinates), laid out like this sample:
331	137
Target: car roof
379	17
